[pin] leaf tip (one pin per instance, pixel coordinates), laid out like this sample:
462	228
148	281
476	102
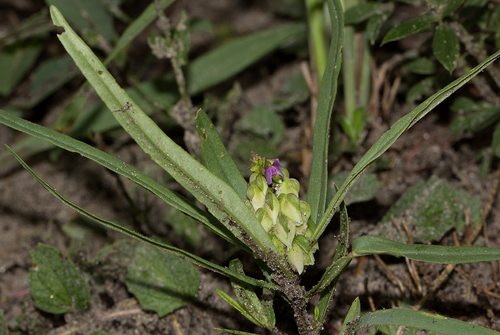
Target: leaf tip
56	16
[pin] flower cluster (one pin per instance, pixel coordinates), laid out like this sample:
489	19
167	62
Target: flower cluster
274	199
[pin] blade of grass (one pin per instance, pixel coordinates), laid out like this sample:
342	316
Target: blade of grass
116	165
231	58
390	136
439	254
216	156
421	320
172	250
316	195
220	199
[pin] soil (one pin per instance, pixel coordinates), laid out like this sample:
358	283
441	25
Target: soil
30	215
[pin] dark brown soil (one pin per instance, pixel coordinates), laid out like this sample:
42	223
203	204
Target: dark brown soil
30	215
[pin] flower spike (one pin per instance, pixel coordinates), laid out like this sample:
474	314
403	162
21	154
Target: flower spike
274	199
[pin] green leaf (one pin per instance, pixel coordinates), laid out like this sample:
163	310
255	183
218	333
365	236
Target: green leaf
390	136
48	78
216	157
55	283
263	121
113	259
37	25
483	118
220	199
438	254
160	281
136	27
233	57
238	307
86	15
446	47
352	318
421	320
361	12
422	65
374	24
316	196
417	25
420	89
321	311
172	250
15	61
248	299
114	164
463	104
430	209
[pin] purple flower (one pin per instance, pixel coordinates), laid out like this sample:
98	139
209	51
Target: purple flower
273	170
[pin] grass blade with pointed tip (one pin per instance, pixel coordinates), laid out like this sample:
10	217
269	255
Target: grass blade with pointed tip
220	199
390	136
172	250
439	254
216	156
316	195
231	58
114	164
421	320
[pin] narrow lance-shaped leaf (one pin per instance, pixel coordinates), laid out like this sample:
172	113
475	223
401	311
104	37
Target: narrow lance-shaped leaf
238	307
352	318
316	196
247	297
439	254
220	199
421	320
328	281
407	28
390	136
226	61
172	250
114	164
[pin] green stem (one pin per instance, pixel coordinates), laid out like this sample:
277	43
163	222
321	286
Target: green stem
315	18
